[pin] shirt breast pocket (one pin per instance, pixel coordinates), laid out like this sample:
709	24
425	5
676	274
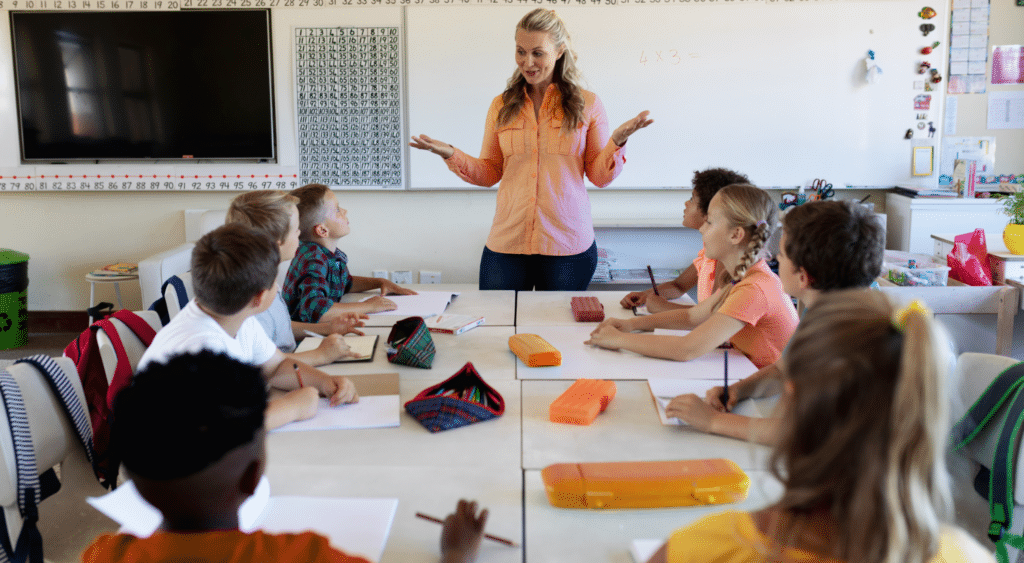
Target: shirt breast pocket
560	142
512	137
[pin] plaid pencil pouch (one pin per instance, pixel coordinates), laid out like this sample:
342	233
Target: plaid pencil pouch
409	344
462	399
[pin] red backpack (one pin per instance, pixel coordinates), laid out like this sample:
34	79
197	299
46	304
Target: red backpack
84	351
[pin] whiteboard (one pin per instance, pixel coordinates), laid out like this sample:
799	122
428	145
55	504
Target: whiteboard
774	90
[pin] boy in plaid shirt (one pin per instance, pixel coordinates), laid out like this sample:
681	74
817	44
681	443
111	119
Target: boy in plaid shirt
319	275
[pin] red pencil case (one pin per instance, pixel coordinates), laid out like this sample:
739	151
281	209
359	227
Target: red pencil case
462	399
587	309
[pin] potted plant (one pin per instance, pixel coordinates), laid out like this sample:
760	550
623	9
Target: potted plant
1013	235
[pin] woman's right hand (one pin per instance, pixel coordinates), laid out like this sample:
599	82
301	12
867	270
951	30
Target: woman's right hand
425	143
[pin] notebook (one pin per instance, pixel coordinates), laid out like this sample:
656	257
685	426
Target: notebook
453	324
364	346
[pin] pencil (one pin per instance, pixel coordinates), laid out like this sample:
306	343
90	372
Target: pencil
488	536
298	375
725	393
654	285
313	334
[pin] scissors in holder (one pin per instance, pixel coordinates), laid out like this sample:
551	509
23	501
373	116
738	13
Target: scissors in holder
822	189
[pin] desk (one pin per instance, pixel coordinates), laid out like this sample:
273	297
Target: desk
582	361
553	308
498	307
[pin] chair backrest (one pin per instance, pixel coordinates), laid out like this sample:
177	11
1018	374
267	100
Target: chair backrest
54	441
133	346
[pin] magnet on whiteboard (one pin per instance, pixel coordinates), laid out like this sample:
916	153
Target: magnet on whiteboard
920	125
909	134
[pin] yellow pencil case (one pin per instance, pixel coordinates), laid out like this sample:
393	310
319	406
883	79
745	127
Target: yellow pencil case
645	484
534	351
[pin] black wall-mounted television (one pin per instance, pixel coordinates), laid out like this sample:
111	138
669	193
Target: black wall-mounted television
144	85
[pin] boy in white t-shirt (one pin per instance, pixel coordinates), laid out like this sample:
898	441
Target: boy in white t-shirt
233	272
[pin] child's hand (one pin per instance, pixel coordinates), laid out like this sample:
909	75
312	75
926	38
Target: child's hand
635	299
300	404
714	398
462	532
378	304
657	304
692	410
345	323
344	390
334	348
388	287
606	335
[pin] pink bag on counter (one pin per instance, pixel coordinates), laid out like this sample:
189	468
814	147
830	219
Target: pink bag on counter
968	261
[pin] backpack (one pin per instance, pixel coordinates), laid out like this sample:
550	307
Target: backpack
1002	401
33	487
160	305
99	395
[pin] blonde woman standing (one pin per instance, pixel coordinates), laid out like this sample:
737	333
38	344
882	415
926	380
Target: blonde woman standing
542	135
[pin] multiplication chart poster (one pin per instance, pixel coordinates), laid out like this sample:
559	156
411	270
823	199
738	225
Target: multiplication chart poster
349	110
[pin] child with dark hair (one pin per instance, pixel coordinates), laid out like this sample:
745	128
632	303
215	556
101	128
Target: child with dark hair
233	272
701	272
197	457
825	245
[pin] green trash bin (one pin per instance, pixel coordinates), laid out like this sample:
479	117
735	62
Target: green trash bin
13	298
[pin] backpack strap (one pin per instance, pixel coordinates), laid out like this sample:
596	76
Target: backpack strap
123	370
1007	386
160	305
29	546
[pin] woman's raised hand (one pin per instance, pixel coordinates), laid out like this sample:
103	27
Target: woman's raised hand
425	143
622	133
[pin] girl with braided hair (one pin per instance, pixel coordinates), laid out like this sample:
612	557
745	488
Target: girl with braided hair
749	307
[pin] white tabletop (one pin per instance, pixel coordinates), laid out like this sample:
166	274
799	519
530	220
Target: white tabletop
497	307
495	443
582	361
433	490
485	346
555	307
628	430
598	536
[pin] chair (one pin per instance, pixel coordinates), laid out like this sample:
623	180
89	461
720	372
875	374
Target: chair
975	371
133	347
66	522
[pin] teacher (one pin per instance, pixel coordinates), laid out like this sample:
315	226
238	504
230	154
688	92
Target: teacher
542	134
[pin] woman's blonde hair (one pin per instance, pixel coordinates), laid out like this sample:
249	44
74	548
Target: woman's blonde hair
269	211
752	209
865	431
566	76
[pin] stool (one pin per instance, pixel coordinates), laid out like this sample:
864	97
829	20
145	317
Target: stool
116	280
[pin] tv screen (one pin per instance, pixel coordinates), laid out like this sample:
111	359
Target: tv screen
144	85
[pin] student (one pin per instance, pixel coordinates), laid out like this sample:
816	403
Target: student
319	275
748	309
233	271
274	213
861	454
196	457
701	272
825	246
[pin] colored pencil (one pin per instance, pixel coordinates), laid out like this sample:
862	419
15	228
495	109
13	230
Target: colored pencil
488	536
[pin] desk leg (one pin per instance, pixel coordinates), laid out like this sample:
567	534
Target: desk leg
1008	299
117	291
92	298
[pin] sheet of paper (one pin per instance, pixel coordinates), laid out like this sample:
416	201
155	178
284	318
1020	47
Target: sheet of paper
357	526
642	550
1006	110
423	304
664	390
363	346
377	411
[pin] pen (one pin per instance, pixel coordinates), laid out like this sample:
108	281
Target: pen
488	536
298	375
313	334
654	285
725	393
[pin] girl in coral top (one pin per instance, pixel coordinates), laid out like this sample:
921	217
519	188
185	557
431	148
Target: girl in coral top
862	450
542	135
749	307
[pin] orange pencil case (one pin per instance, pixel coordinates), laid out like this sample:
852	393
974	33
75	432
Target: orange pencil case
645	484
534	351
582	401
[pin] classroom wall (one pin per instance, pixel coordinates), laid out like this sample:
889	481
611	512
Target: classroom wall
68	234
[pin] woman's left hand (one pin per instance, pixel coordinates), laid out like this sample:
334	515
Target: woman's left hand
620	135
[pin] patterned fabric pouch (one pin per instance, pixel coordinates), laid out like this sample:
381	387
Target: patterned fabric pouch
462	399
409	344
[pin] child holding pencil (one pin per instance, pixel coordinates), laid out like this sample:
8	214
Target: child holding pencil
749	307
861	454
